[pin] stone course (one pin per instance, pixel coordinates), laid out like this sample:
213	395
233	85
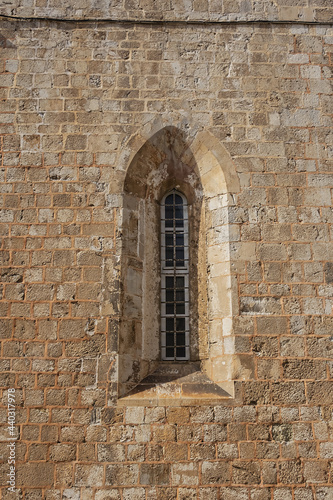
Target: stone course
77	101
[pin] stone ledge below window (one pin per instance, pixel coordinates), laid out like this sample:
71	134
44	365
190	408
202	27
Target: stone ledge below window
177	384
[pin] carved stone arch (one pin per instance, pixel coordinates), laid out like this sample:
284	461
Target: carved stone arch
201	168
148	130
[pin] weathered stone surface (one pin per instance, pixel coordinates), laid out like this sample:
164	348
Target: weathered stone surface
98	121
35	475
215	472
212	11
245	472
290	472
122	474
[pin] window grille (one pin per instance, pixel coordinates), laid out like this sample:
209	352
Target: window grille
174	278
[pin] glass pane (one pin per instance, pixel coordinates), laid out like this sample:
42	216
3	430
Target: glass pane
169	199
180	295
178	199
179	240
169	324
180	281
169	295
170	339
180	253
179	213
169	240
180	339
180	324
180	308
168	216
169	352
169	282
169	253
170	308
169	212
180	352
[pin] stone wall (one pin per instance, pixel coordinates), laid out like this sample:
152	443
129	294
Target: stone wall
174	10
78	101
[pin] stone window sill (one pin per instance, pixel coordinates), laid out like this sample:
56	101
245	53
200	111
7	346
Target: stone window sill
177	384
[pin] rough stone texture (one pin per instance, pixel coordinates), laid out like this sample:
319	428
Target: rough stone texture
78	101
171	10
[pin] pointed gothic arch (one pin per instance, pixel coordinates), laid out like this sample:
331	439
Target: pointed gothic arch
202	169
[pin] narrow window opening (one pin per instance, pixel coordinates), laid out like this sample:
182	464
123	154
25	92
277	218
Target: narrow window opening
175	314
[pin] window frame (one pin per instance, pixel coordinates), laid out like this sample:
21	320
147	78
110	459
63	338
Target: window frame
174	271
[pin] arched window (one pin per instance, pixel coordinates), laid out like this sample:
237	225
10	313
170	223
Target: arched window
177	292
175	335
